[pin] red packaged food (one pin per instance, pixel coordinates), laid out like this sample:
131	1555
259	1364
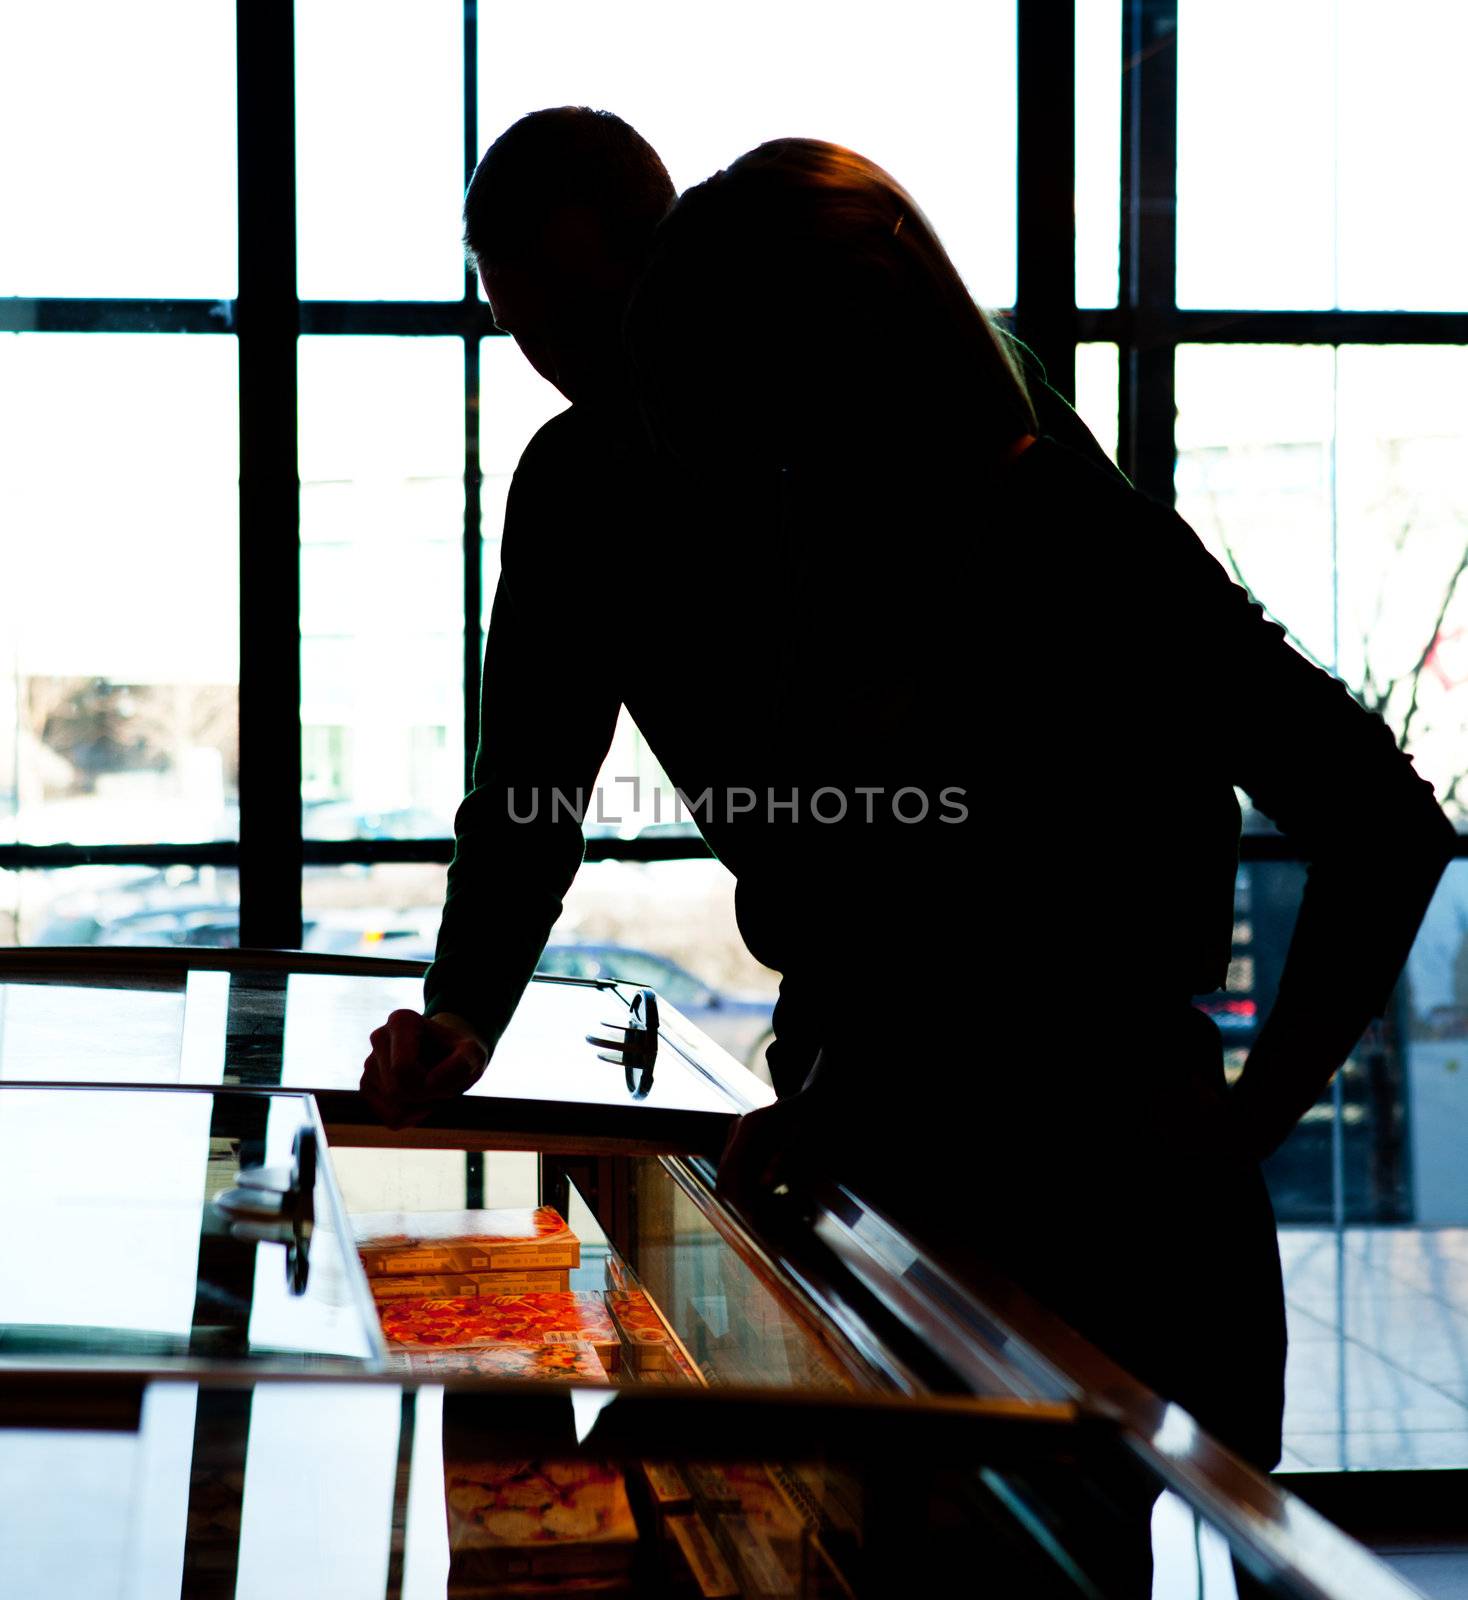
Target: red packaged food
523	1319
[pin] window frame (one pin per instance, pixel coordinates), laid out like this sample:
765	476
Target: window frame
268	318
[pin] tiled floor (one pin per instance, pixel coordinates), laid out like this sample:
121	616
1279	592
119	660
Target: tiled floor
1378	1366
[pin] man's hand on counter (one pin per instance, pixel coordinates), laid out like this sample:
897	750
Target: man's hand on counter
418	1062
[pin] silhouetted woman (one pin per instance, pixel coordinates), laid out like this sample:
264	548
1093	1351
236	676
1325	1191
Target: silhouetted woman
1010	1060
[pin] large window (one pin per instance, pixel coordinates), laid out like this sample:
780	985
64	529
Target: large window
242	223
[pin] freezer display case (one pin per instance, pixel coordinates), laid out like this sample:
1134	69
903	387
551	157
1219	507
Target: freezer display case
252	1342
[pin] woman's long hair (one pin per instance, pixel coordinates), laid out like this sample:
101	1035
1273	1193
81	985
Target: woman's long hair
801	288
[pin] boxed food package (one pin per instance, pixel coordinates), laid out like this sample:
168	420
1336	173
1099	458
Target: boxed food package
512	1239
522	1521
699	1568
667	1488
761	1569
649	1346
573	1361
467	1322
461	1285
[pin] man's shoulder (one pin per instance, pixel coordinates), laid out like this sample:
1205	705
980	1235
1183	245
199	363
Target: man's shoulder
579	478
580	435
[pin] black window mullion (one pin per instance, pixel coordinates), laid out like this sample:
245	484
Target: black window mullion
270	850
62	314
473	481
1045	310
1146	444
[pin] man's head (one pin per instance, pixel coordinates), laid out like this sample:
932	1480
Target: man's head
558	220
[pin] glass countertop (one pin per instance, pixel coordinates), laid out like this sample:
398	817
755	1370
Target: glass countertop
117	1247
310	1030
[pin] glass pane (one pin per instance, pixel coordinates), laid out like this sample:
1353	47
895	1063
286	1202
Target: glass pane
933	100
148	1170
670	924
1098	151
1325	193
1254	475
119	492
1435	1017
1098	392
119	123
382	518
379	150
198	906
387	910
1330	482
1403	510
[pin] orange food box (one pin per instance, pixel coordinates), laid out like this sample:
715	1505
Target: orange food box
463	1285
510	1239
636	1317
523	1520
515	1319
573	1361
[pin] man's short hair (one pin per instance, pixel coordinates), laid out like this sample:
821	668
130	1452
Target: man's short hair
558	158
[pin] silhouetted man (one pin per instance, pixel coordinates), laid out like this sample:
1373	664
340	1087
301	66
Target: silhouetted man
600	570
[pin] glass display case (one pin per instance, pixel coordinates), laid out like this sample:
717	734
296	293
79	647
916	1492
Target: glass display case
214	1378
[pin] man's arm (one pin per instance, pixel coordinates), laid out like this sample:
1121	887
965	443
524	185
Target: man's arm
547	711
546	723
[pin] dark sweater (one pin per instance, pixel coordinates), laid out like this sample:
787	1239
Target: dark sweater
1039	637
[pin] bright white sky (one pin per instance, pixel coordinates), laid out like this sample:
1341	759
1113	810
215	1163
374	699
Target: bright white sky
1314	168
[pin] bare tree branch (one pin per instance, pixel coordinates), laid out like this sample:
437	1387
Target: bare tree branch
1432	640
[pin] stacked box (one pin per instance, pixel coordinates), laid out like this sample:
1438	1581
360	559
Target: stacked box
455	1286
517	1240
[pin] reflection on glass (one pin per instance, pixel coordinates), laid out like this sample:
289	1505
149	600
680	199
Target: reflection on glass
382	516
1324	191
345	1444
1098	392
379	150
306	1306
933	101
103	1194
727	1322
119	613
119	128
1098	151
1330	481
54	1033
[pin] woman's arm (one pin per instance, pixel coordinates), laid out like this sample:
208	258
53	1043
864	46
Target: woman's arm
1331	777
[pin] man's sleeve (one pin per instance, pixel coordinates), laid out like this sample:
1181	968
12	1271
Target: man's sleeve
546	720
